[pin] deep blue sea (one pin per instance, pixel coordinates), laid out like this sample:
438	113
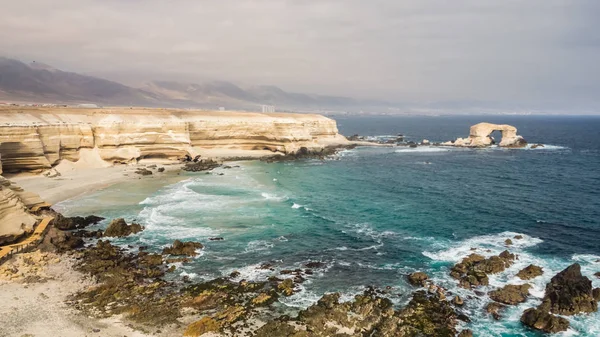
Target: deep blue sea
373	215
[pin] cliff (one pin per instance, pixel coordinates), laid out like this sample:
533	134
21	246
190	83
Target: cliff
36	139
14	218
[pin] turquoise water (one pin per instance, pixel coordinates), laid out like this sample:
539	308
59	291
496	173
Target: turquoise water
374	215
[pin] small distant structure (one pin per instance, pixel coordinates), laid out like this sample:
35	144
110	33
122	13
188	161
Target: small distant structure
222	108
88	105
268	108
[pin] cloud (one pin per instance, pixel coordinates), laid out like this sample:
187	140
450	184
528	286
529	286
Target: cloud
535	53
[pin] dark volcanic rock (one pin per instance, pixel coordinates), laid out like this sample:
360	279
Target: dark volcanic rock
530	272
63	241
183	248
315	265
143	172
494	309
511	294
472	270
119	228
418	278
200	165
64	223
570	293
368	315
466	333
542	320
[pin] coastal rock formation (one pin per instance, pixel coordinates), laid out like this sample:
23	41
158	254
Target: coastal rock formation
568	293
15	220
479	136
530	272
183	248
77	222
417	279
36	139
511	294
544	321
119	228
472	270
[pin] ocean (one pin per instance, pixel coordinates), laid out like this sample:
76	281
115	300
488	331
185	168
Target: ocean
373	214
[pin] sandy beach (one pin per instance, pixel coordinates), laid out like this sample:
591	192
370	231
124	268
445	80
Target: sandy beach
33	300
75	182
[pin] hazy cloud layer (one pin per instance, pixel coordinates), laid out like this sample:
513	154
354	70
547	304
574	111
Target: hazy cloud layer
535	52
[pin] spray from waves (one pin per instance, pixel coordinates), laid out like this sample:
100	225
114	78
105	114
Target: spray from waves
365	229
273	197
258	246
424	149
545	147
488	245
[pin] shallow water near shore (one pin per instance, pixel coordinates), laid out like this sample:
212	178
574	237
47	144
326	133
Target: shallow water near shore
374	215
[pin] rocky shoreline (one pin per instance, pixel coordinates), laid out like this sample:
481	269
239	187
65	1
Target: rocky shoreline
139	286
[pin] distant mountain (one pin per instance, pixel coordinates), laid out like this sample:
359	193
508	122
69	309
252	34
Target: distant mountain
42	83
38	82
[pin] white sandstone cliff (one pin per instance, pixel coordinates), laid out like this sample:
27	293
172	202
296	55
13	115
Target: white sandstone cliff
36	139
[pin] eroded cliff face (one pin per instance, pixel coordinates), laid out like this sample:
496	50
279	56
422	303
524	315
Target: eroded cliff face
35	139
14	218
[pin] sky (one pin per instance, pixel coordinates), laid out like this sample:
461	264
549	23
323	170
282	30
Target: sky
529	53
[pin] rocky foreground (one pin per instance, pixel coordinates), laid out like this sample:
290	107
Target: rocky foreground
138	285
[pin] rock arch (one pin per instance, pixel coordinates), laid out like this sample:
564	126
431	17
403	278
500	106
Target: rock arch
479	136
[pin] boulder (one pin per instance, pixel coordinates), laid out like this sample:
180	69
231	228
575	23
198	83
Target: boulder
494	309
458	301
570	293
77	222
466	333
472	270
143	171
544	321
119	228
201	165
417	278
183	248
530	272
511	294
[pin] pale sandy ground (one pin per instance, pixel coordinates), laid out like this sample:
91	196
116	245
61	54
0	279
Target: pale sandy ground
75	182
39	309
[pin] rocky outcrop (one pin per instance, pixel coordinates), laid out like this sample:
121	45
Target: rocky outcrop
479	136
15	220
77	222
511	294
119	228
530	272
472	270
183	248
544	321
417	278
568	293
36	139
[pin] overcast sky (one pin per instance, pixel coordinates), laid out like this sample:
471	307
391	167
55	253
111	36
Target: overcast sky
535	52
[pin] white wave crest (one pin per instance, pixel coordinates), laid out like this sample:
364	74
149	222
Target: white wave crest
423	149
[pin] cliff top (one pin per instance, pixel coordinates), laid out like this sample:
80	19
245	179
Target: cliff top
17	115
